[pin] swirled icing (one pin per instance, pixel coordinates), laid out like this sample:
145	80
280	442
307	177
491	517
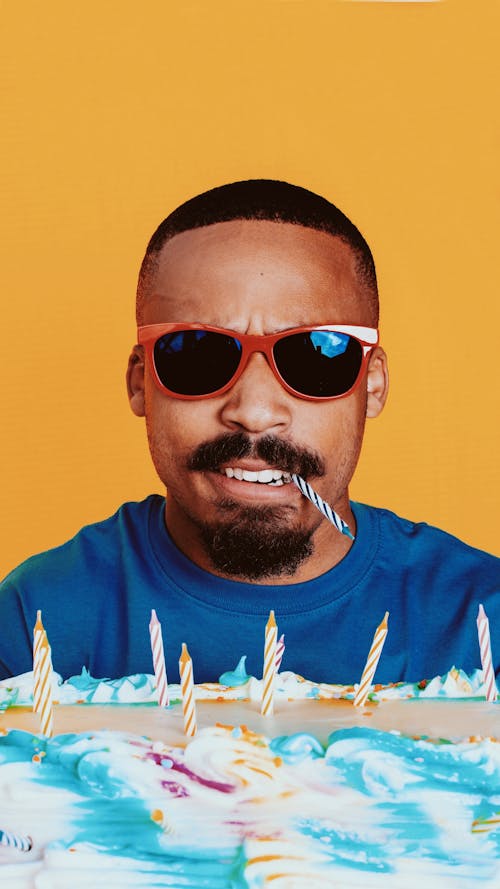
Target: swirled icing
235	810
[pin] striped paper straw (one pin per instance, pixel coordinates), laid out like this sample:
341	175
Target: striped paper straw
42	691
158	660
187	691
280	649
38	631
267	705
371	663
15	841
483	631
330	514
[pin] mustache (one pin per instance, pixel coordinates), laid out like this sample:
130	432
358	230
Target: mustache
210	455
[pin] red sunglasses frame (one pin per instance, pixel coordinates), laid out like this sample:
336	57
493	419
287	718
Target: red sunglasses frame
148	334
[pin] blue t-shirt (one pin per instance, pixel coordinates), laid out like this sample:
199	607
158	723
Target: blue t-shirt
96	593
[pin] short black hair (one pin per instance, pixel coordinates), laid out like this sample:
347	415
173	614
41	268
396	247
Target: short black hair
266	199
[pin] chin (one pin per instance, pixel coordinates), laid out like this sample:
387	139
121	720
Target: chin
256	545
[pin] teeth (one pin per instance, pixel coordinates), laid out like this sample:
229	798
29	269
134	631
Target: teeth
273	477
250	476
265	476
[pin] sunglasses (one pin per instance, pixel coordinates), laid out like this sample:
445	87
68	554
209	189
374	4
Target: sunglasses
200	361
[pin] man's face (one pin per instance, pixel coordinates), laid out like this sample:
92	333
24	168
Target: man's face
255	277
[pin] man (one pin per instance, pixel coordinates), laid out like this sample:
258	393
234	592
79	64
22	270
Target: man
257	358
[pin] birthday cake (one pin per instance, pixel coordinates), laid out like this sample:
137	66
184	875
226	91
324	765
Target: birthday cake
402	791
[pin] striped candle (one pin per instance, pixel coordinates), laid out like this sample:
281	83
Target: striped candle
15	841
158	659
371	663
187	691
326	510
42	691
38	631
485	825
483	631
267	705
280	650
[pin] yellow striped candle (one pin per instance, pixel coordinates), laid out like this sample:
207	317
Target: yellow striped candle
485	825
187	691
267	705
38	631
158	660
42	692
371	663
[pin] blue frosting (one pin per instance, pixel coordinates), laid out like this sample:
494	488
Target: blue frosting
295	748
238	676
88	684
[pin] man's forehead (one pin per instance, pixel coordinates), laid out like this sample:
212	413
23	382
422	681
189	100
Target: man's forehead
231	274
241	244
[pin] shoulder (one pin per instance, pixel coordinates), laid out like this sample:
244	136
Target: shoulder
94	545
418	546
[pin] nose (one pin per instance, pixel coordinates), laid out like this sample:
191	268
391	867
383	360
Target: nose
257	402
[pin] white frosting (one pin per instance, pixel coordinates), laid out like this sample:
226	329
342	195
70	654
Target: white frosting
140	688
376	811
368	809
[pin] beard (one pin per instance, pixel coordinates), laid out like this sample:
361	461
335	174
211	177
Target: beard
255	543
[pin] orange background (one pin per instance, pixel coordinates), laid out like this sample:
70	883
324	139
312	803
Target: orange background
115	112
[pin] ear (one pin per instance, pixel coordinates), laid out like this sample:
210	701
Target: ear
377	381
135	380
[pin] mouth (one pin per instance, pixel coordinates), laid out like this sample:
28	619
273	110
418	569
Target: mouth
254	482
272	478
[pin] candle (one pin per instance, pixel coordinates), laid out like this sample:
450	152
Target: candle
483	630
187	690
15	841
42	692
38	631
371	663
330	514
158	659
271	635
280	649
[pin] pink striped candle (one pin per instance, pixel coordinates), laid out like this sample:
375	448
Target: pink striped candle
280	650
187	691
158	659
371	663
267	705
42	692
483	631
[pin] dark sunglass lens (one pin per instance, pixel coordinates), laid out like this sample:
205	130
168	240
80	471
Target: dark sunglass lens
320	363
196	362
